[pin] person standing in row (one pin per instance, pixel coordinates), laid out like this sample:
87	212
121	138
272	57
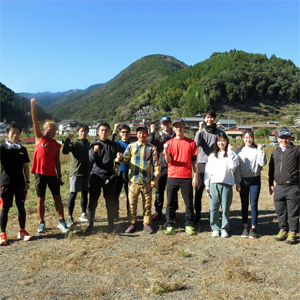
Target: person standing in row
143	175
102	155
46	168
219	179
79	170
158	140
122	176
284	169
181	156
205	140
14	165
252	158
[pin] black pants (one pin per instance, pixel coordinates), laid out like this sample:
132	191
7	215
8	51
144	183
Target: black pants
7	195
96	184
160	190
199	189
173	186
83	202
286	200
121	180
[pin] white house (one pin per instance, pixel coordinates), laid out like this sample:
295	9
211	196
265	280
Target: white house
65	126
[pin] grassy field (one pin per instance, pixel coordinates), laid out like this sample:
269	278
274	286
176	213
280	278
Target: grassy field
116	265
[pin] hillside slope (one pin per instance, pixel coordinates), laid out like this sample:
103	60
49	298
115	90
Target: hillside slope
102	102
16	108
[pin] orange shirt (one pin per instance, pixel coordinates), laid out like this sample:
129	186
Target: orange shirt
44	157
181	152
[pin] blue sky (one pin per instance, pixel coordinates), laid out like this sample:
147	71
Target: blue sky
61	45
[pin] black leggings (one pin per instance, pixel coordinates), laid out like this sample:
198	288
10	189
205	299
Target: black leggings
83	202
7	194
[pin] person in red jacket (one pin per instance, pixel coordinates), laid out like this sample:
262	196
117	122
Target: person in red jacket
47	169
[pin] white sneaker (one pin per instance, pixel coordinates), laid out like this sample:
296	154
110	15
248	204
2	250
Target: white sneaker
224	234
83	218
215	233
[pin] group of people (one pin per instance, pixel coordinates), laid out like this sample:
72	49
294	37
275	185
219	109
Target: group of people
169	160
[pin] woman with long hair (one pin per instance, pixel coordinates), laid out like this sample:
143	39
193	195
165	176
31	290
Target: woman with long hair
219	179
252	158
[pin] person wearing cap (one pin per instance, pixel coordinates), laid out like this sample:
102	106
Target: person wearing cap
181	156
205	139
143	175
159	140
284	169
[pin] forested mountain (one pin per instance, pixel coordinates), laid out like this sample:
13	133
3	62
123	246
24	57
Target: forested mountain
230	80
113	98
234	78
17	108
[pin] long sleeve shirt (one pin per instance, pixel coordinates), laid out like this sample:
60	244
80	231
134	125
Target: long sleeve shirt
143	163
206	142
79	163
103	160
221	169
251	161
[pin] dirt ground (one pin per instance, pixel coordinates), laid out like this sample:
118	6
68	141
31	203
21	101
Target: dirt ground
117	265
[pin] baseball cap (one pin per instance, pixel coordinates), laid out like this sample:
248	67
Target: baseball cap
284	131
178	120
165	119
142	127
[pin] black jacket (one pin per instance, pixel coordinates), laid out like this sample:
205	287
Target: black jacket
158	140
284	166
103	160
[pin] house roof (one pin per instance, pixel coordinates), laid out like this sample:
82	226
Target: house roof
29	140
258	125
227	121
66	122
192	119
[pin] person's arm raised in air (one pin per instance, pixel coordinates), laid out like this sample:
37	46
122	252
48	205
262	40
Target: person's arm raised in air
37	130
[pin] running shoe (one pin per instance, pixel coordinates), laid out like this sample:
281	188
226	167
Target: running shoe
42	228
130	229
291	238
224	234
83	218
24	235
148	228
215	233
170	230
253	233
190	230
70	222
63	227
245	232
156	217
281	236
3	239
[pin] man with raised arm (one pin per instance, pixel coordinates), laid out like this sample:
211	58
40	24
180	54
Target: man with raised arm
47	169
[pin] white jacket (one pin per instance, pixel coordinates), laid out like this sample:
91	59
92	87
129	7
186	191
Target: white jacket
251	161
221	169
